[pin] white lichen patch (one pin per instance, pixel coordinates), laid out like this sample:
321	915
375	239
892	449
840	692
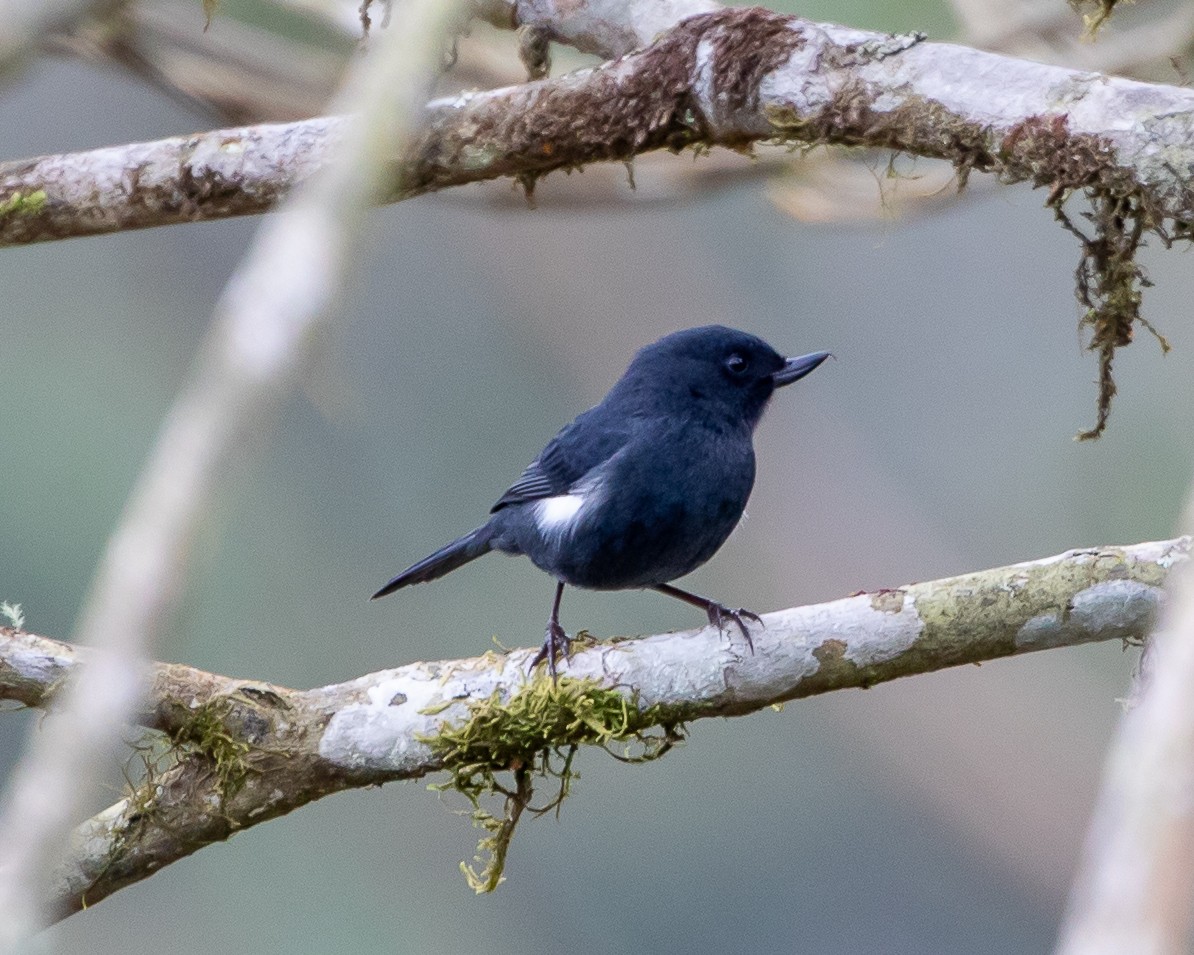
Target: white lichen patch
374	734
1164	553
798	85
716	667
873	630
1114	608
783	657
382	732
667	669
30	661
702	82
1041	631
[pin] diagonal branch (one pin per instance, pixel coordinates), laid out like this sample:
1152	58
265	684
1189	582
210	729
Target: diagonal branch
286	289
23	23
297	746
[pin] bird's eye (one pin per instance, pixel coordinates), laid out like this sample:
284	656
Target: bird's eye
737	365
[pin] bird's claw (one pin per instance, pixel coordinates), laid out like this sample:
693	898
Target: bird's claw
555	642
718	615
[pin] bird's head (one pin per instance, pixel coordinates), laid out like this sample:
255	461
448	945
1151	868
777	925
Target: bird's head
728	373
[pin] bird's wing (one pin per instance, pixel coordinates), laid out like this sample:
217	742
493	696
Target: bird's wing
581	446
532	484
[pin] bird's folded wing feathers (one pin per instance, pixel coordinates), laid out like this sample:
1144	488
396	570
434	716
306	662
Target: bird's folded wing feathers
531	485
579	448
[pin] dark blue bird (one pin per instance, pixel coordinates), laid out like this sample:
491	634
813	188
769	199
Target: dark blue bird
644	487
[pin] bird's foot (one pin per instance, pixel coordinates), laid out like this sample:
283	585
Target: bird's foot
556	643
718	615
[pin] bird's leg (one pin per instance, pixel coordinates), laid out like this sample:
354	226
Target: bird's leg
556	640
716	612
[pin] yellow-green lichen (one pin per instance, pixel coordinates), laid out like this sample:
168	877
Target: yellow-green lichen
989	621
20	204
537	732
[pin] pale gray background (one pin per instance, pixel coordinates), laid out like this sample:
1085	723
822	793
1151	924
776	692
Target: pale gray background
939	814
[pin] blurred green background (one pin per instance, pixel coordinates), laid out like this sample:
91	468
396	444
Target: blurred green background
937	814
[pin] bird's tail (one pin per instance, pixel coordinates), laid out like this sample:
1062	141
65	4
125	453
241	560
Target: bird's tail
443	561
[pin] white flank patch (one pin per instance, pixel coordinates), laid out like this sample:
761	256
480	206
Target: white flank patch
556	515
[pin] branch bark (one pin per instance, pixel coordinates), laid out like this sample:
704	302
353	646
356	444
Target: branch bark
302	745
727	78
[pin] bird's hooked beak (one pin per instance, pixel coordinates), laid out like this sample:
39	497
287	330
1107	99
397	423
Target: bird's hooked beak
796	368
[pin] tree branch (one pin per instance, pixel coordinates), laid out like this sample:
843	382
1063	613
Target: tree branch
297	746
23	23
695	86
288	285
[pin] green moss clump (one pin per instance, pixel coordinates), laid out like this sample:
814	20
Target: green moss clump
203	734
536	733
206	733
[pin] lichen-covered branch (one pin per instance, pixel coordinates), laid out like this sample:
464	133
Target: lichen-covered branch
280	748
729	78
726	78
287	287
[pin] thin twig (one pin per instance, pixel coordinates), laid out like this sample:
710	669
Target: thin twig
24	24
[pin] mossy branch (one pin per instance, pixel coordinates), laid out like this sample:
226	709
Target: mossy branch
536	733
724	78
255	751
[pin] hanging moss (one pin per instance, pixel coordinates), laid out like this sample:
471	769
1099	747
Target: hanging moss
1109	284
504	745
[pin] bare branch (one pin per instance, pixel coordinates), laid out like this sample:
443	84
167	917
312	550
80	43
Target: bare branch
302	745
23	23
239	72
